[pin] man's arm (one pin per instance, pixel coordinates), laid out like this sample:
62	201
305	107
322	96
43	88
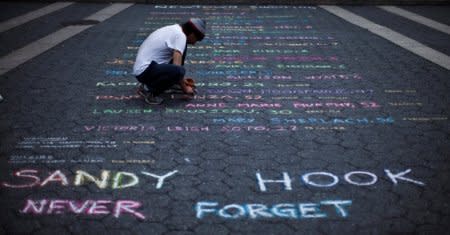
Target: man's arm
177	59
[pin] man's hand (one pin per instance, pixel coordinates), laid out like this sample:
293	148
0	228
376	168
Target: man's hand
189	90
186	89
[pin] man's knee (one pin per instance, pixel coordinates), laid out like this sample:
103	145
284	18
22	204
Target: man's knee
180	72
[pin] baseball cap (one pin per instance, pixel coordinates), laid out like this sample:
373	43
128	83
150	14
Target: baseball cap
199	26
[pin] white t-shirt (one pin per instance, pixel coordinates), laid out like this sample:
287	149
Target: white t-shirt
159	46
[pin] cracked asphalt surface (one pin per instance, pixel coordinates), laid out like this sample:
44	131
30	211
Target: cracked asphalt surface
303	124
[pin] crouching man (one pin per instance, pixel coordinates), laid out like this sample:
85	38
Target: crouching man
160	59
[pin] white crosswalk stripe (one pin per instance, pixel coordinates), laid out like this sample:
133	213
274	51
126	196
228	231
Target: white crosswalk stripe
407	43
417	18
33	49
16	21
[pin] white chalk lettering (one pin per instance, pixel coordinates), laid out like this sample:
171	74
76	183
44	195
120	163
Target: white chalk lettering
101	183
160	178
327	179
286	181
306	179
400	175
373	181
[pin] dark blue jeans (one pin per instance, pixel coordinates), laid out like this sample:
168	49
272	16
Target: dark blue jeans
160	77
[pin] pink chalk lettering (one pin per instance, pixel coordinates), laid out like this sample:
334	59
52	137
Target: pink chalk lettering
334	77
210	105
25	174
124	206
327	104
99	207
87	207
89	128
56	206
369	104
258	105
78	207
32	208
187	128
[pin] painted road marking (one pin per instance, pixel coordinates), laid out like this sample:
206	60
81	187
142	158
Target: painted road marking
409	44
16	21
417	18
36	48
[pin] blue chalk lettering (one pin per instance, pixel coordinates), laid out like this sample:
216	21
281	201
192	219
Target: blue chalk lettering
338	205
285	210
239	211
258	210
200	208
310	210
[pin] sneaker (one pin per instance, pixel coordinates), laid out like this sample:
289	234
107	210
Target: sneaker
151	99
175	89
142	91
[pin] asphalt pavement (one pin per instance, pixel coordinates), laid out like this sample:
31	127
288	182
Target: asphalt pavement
308	120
